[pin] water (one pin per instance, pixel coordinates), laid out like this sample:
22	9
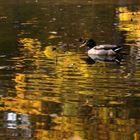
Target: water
50	89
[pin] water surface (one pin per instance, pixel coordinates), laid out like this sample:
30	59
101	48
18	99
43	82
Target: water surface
50	88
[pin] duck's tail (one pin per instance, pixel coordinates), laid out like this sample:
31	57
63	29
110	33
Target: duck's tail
117	49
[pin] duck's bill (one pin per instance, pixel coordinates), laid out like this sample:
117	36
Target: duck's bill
83	45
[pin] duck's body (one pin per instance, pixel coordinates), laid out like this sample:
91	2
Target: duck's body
105	49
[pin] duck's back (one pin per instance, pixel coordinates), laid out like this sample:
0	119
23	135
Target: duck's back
105	47
101	51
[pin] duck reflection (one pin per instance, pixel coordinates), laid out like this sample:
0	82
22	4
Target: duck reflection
103	59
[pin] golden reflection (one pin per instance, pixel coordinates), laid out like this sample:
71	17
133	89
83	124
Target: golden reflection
46	89
20	80
32	45
68	60
54	37
23	102
65	130
67	99
23	106
136	136
43	87
51	52
129	21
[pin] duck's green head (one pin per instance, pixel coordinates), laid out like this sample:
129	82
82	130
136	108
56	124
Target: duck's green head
90	43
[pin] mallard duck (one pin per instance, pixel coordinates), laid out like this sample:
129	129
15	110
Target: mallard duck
105	49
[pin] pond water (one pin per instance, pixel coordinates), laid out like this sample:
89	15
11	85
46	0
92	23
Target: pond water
50	89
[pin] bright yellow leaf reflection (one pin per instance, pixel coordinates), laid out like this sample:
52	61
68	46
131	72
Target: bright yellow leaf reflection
51	52
129	21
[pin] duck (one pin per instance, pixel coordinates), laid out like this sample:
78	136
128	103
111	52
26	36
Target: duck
105	49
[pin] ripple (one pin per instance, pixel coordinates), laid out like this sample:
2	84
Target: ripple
49	89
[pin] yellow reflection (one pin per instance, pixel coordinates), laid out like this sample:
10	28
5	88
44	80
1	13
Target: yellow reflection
30	44
20	80
67	60
136	136
34	85
25	100
53	37
65	130
23	106
51	52
129	21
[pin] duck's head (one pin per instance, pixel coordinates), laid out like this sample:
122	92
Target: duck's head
90	43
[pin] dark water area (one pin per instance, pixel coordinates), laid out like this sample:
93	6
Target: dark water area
50	89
